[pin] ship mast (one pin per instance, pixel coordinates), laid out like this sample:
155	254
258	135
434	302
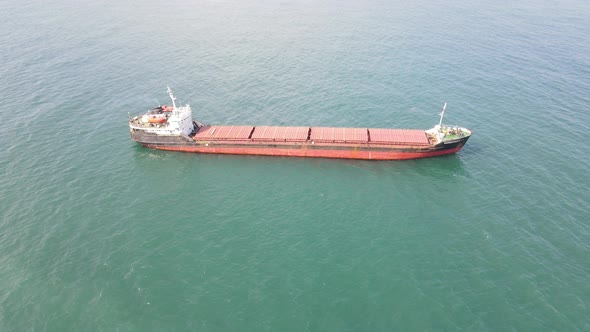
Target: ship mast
442	114
172	97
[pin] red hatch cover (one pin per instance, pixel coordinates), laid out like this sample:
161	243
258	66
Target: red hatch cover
224	133
339	135
284	134
398	136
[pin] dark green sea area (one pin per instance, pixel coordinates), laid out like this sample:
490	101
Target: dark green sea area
100	234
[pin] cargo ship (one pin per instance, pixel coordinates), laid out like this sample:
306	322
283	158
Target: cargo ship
173	128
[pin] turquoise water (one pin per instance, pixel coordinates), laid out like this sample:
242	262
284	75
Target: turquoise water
100	234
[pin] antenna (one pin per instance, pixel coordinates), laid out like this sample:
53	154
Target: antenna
442	114
171	97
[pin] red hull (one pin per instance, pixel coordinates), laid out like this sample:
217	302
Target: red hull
315	153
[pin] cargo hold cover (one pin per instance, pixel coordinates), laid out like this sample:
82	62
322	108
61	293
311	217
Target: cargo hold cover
398	136
212	133
339	135
282	134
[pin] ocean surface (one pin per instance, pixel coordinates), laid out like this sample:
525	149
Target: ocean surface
100	234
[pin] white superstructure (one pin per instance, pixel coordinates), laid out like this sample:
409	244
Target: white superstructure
165	120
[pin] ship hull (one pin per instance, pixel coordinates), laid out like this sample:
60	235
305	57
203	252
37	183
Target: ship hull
367	151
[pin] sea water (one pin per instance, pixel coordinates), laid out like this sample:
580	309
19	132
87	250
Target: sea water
100	234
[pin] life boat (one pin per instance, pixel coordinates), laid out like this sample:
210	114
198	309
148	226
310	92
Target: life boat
157	119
